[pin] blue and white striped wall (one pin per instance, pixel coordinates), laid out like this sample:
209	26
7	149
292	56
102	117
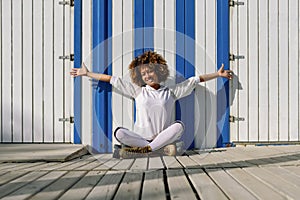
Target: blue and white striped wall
184	33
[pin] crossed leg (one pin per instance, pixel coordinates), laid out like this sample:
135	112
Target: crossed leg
167	136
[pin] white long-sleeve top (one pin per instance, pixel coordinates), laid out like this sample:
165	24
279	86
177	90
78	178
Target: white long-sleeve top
153	107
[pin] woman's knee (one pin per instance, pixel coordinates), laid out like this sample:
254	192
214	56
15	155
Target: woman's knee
179	126
120	133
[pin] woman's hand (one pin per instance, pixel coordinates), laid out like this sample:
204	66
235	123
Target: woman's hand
225	73
79	71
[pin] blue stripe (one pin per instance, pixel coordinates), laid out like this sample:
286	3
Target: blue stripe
77	64
148	24
185	59
223	84
102	118
138	27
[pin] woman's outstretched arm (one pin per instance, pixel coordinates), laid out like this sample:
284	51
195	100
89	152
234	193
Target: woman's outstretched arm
83	71
220	73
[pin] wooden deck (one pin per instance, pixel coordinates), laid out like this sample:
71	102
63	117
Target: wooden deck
233	173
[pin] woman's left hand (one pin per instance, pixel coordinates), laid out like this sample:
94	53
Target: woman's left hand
225	73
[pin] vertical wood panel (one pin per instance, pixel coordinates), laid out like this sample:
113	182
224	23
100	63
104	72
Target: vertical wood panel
27	71
293	70
273	71
1	94
67	94
117	108
37	71
159	26
128	109
17	70
48	71
234	65
200	65
211	101
283	71
58	71
253	70
169	44
242	73
7	65
86	83
263	72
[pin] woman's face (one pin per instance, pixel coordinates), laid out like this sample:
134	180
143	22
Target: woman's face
149	76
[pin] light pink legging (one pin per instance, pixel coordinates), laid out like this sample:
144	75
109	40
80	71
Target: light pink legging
167	136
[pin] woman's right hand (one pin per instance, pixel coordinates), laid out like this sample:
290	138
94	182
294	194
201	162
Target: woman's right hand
79	71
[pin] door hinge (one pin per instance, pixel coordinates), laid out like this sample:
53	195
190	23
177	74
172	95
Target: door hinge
71	57
233	57
234	119
235	3
70	3
70	119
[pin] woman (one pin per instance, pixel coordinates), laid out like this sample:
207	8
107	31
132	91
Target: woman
153	128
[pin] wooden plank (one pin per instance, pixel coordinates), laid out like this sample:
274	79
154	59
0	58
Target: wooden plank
204	160
210	49
107	186
87	107
6	80
37	59
153	186
68	35
61	185
11	176
83	187
35	186
293	70
17	69
255	186
158	30
99	160
263	71
140	164
1	71
243	72
284	174
128	55
23	166
28	73
179	186
130	186
48	71
273	73
204	186
253	73
19	182
234	66
109	164
117	109
187	162
79	164
7	166
171	162
293	169
155	163
229	185
124	164
58	72
280	185
283	30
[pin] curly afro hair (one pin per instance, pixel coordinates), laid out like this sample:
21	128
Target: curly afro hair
154	61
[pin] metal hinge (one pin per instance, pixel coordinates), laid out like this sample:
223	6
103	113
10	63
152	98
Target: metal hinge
70	2
233	57
70	119
235	3
71	57
234	119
